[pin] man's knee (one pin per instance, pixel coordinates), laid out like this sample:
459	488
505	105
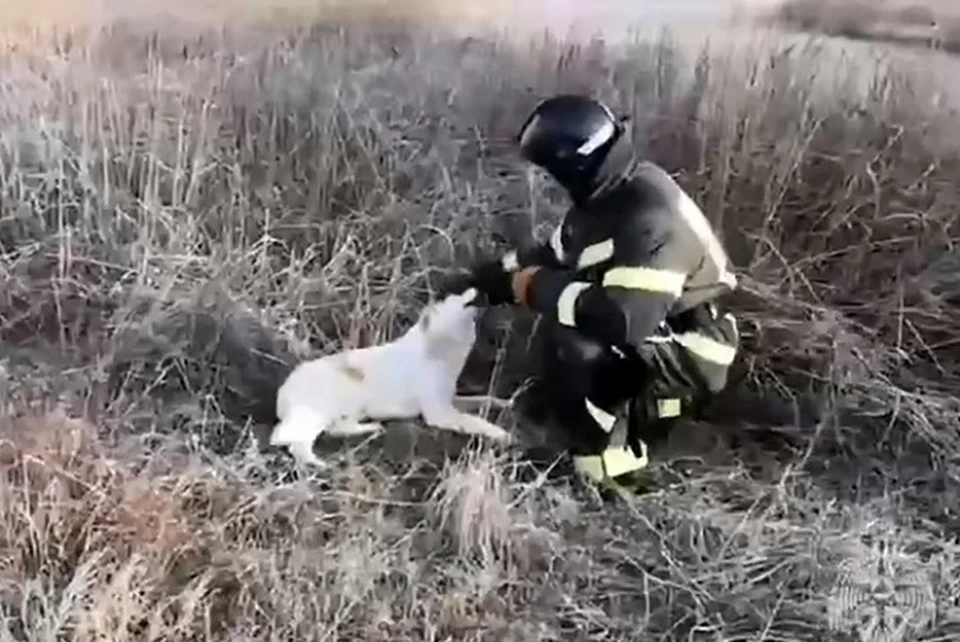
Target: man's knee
714	379
585	367
711	359
573	349
706	345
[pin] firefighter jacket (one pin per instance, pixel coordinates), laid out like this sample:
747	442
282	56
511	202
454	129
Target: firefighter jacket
636	266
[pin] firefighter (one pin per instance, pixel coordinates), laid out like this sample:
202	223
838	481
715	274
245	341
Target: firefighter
627	285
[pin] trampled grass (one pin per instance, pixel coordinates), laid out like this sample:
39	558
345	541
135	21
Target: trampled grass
183	214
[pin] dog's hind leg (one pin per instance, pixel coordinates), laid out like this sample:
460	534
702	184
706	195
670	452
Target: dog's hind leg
298	430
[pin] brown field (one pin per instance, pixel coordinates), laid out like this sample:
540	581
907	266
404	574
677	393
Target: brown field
186	208
933	24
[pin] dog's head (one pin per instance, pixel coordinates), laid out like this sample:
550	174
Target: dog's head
454	315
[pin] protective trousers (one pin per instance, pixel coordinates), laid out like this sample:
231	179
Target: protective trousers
610	405
591	390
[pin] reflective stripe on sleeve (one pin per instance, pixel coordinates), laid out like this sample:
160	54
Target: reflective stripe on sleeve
644	278
557	244
668	408
567	302
595	254
732	320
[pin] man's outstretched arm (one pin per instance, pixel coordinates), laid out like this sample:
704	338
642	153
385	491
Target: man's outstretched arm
637	291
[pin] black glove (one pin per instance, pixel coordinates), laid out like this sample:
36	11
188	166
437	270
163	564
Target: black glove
493	282
457	282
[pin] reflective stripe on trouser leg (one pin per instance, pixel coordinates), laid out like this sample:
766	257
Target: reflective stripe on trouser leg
714	349
669	408
604	419
612	462
617	458
696	360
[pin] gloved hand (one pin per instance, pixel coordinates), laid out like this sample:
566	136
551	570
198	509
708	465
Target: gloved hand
493	281
456	282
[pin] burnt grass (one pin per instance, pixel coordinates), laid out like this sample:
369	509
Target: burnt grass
183	215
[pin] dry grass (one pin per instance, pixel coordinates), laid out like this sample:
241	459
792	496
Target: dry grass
922	23
182	216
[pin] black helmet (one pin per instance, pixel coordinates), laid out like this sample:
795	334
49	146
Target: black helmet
570	136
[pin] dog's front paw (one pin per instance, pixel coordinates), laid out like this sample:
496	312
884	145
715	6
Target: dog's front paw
489	430
355	429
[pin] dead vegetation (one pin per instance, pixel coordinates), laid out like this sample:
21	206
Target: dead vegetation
924	23
182	215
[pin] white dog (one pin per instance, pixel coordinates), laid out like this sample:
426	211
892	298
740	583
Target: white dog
415	375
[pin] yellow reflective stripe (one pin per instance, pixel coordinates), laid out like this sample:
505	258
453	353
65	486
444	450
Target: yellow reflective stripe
732	320
619	460
613	462
706	348
645	278
510	262
601	416
595	254
656	338
557	244
667	408
567	303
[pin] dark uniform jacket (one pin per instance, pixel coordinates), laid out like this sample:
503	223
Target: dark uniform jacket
636	266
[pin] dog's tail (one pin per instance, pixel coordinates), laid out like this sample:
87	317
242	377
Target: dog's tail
300	425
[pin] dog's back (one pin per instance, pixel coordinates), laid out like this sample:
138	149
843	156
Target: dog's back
374	382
